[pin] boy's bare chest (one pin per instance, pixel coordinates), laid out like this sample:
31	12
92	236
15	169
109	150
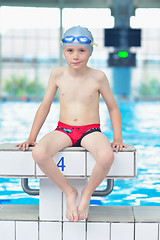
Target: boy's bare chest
79	92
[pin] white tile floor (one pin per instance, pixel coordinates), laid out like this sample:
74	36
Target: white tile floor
146	231
98	231
26	230
122	231
50	230
72	231
7	230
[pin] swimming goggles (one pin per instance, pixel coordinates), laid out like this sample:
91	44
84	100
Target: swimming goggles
71	39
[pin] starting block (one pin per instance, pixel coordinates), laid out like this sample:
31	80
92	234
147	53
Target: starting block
76	164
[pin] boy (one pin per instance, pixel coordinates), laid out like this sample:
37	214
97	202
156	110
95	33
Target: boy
79	123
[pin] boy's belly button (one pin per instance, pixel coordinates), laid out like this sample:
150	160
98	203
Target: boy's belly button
75	120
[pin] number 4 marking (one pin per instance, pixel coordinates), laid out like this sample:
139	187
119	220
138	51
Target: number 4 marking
60	164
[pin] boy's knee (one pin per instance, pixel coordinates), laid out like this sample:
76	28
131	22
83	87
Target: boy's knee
106	158
39	154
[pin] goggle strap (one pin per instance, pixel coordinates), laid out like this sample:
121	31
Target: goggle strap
94	44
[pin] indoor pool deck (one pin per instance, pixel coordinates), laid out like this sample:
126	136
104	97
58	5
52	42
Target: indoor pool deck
48	222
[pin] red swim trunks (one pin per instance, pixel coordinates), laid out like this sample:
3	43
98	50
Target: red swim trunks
76	133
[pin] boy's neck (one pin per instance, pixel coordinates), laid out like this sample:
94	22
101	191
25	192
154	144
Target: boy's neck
77	72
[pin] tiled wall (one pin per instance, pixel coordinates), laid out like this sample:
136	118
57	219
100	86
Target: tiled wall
29	230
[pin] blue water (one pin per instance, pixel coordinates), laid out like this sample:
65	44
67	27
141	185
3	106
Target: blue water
141	128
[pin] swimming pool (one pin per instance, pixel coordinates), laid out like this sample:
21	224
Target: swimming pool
141	127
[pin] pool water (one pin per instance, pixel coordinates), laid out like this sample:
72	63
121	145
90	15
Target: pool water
141	128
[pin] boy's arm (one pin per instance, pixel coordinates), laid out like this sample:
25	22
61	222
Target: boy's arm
41	113
113	111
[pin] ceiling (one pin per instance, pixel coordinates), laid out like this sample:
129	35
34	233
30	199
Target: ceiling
78	3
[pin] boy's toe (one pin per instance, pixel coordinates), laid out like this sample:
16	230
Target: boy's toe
80	217
76	218
69	217
72	217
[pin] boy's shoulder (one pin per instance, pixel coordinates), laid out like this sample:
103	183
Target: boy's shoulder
56	74
57	71
99	75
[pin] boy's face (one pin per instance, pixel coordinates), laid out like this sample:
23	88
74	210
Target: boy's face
76	56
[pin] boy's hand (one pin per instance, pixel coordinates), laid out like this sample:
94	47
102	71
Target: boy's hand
118	146
25	145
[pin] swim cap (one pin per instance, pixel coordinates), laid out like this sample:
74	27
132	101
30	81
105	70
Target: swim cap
76	32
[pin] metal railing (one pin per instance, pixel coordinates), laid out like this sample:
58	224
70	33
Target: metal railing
97	193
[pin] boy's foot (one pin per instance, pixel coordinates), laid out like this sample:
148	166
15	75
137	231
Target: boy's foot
71	208
83	206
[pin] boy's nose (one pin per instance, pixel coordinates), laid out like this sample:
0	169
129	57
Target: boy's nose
75	55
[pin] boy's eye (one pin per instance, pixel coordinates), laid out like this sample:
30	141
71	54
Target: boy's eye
69	50
82	50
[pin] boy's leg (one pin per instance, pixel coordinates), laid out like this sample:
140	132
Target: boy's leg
42	153
99	146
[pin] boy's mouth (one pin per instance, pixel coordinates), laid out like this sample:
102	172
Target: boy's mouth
75	63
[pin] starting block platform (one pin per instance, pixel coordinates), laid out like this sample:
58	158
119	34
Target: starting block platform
49	219
74	162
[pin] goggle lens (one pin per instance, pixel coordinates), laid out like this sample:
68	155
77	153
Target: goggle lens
84	40
68	39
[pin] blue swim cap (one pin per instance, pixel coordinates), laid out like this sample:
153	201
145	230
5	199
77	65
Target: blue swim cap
76	32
